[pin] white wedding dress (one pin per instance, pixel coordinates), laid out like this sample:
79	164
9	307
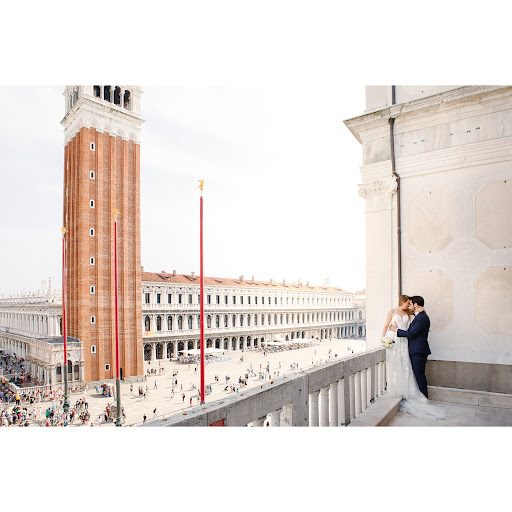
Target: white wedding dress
400	376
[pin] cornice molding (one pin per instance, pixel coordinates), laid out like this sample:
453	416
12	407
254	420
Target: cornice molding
104	117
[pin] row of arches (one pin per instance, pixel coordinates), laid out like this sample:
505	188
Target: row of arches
73	372
181	322
117	96
171	349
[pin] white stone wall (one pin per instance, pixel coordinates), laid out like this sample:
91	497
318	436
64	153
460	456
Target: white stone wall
454	158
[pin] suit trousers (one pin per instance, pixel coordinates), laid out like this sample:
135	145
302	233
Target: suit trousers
418	362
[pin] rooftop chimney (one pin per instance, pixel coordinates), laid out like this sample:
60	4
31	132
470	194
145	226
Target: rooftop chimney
163	272
271	280
192	274
174	273
307	283
253	278
241	278
284	281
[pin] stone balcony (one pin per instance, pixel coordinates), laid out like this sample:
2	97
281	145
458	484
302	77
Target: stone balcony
350	392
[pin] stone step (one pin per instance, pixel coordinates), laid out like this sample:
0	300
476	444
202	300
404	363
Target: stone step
469	397
379	413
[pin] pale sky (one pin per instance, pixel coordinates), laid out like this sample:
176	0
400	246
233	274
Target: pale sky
280	169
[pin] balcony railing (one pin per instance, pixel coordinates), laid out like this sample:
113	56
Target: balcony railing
328	395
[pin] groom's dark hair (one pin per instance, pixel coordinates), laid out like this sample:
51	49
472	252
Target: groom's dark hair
418	300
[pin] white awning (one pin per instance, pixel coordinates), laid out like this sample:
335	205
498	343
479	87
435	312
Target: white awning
197	351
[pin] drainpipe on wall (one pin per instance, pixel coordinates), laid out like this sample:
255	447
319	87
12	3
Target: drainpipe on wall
398	223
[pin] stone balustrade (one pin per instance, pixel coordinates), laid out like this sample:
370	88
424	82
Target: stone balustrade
331	394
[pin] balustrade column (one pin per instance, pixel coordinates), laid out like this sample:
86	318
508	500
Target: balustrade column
260	422
333	405
357	398
352	396
381	378
313	409
364	394
275	418
369	384
324	407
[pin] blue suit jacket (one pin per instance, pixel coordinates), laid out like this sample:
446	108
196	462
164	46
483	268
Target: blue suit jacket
417	335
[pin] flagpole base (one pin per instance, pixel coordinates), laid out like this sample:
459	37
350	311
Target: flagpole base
119	422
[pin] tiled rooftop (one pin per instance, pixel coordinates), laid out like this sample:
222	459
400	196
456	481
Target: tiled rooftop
159	277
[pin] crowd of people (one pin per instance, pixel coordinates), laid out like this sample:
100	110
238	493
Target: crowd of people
14	368
286	345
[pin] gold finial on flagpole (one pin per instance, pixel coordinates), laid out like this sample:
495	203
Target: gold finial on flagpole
63	230
115	212
201	185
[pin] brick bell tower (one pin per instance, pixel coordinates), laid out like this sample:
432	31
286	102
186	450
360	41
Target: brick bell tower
102	129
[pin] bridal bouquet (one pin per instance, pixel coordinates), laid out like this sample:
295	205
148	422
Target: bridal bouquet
387	342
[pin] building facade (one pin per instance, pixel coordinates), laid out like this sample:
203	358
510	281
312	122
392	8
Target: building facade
241	313
451	148
31	328
102	129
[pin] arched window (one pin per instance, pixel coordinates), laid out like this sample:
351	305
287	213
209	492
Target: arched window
248	320
158	323
97	91
281	318
234	320
70	366
262	319
225	320
208	322
217	321
127	100
117	95
180	323
169	323
241	320
147	324
255	319
287	318
190	321
106	92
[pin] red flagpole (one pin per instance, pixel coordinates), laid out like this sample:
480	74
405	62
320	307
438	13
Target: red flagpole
117	309
64	334
201	292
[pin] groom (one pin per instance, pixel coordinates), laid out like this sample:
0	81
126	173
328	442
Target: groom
417	336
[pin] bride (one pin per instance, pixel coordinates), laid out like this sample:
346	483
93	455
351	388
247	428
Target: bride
400	376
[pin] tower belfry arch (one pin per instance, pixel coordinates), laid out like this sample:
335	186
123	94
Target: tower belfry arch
102	126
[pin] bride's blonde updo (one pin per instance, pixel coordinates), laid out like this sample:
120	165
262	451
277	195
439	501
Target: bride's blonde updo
401	301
